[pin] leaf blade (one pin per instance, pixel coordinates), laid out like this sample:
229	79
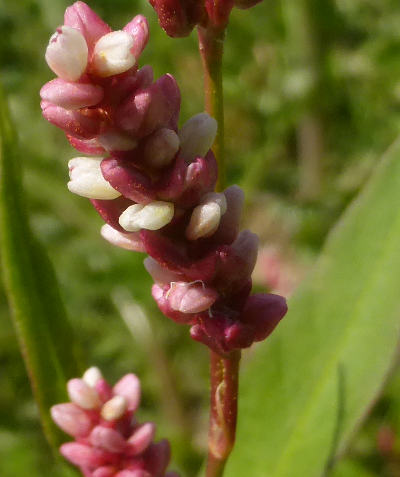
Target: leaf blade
311	405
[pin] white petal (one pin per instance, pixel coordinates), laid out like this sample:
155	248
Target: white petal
87	179
112	54
91	376
152	216
204	221
115	408
67	53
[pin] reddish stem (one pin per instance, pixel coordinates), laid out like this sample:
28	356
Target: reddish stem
224	373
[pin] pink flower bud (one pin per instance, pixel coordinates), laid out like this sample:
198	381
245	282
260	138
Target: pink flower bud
106	471
67	53
87	179
197	136
74	123
161	147
133	473
152	216
83	18
129	388
71	419
82	394
87	146
128	241
112	54
107	439
83	455
114	409
138	28
110	210
71	95
141	438
191	297
159	274
128	180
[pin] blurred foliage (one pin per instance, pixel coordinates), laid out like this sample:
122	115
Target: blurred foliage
304	80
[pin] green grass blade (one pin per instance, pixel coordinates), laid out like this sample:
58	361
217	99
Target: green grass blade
45	336
306	391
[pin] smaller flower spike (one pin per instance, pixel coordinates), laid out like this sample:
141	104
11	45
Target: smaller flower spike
109	440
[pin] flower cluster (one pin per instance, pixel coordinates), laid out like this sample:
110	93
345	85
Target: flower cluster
179	17
109	442
152	183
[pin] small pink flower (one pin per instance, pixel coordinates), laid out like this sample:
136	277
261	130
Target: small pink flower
109	441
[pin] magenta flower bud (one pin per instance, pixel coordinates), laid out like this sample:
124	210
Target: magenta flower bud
264	312
107	439
191	297
141	438
147	110
83	455
197	136
138	28
82	394
157	457
177	17
246	3
229	225
128	180
81	17
71	419
72	122
219	11
110	210
70	95
129	388
128	240
67	53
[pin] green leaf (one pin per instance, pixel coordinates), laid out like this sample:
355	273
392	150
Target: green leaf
45	336
307	389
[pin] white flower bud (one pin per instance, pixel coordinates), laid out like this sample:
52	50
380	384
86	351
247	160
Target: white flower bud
204	221
152	216
217	197
115	408
67	53
82	394
112	54
197	136
91	376
87	179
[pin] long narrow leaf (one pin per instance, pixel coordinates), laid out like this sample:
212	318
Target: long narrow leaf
44	334
309	387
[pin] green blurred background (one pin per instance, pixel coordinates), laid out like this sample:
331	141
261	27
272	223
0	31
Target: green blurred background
312	91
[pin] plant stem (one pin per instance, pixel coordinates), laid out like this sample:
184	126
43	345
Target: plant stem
224	374
211	45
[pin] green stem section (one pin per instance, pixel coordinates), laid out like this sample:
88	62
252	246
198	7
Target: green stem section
224	373
211	45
